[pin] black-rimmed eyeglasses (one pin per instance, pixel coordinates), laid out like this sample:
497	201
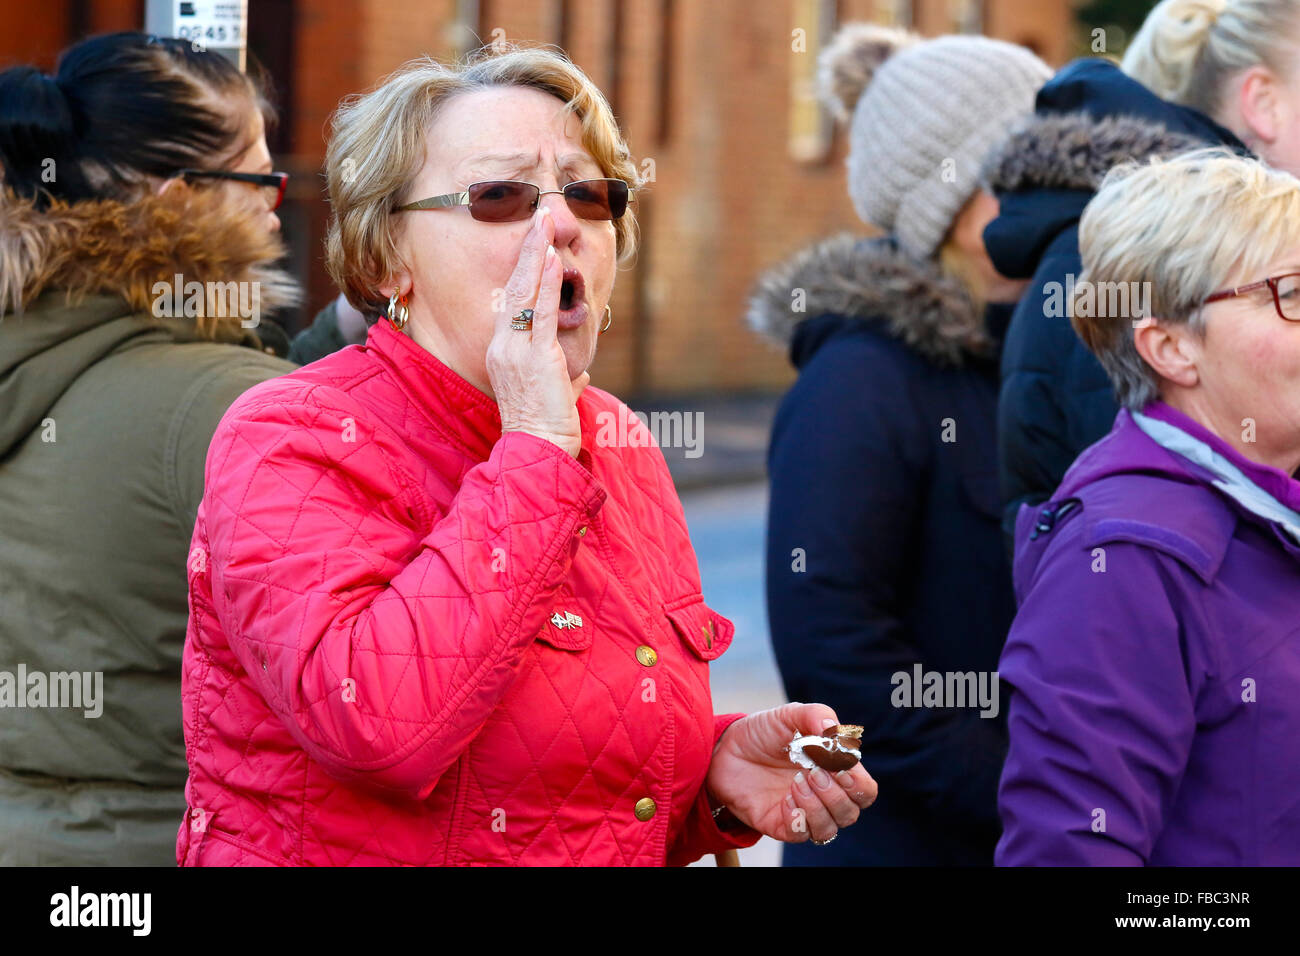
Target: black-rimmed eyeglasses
272	184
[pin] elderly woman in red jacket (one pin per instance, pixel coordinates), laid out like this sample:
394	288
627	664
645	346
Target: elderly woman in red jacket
436	618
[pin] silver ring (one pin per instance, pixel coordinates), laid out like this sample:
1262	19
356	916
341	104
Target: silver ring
523	321
824	842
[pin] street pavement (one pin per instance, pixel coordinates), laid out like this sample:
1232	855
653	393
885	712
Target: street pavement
727	526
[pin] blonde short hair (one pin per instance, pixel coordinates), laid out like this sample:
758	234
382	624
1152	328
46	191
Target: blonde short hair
377	148
1188	49
1183	228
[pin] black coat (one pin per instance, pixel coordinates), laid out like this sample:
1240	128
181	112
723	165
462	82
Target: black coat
883	546
1056	399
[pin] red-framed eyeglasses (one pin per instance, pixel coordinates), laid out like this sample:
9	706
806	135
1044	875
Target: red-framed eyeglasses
1285	289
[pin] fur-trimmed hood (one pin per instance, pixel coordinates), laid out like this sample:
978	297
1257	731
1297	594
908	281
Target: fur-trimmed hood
1075	151
123	249
1089	118
871	280
77	283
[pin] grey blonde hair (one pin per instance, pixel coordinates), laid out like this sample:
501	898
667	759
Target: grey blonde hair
1187	227
377	148
1187	50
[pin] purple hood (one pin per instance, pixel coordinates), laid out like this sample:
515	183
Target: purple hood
1191	521
1155	666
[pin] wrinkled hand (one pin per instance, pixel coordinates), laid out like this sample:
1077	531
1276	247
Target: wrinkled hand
527	370
752	775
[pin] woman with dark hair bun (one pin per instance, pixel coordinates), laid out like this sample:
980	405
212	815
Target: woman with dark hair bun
125	109
137	236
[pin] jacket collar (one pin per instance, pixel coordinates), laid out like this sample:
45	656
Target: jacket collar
1132	490
1164	502
1230	468
457	410
870	280
451	405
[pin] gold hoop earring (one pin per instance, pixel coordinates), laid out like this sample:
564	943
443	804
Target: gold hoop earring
398	319
609	320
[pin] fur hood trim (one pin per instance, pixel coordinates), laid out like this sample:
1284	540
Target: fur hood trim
1075	151
111	247
871	280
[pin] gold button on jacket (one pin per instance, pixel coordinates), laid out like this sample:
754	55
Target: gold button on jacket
646	655
645	809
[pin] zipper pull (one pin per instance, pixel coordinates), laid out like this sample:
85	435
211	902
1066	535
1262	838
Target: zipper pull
1054	512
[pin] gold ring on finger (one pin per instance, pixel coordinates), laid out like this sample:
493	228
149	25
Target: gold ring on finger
831	840
523	321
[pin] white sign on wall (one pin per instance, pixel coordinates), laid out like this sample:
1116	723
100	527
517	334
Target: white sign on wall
212	23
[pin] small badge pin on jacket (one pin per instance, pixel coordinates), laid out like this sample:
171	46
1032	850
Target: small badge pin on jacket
566	619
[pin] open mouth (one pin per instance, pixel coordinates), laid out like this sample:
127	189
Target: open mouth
571	289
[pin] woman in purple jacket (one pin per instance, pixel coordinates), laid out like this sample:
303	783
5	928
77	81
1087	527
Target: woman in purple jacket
1155	658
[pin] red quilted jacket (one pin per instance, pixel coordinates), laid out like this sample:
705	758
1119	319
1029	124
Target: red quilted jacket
415	640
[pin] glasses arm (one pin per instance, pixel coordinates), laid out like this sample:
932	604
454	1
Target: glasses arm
1239	290
438	202
255	179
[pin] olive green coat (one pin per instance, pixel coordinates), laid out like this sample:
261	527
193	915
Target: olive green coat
106	413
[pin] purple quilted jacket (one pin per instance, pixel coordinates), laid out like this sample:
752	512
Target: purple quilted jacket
1155	661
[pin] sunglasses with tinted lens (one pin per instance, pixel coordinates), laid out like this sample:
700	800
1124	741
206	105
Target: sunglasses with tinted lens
272	184
509	201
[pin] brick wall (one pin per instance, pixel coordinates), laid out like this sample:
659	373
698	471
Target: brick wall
703	91
727	199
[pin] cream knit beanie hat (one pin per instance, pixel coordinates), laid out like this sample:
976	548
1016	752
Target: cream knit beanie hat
922	115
